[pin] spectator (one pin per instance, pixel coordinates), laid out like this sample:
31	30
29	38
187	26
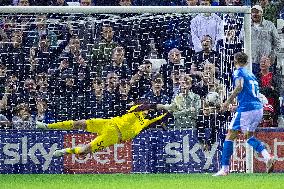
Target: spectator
29	94
23	118
141	81
270	85
233	42
215	120
175	84
207	55
186	105
3	78
125	2
112	95
101	52
156	95
23	3
265	38
42	85
271	10
118	64
4	121
13	56
58	3
44	56
82	73
66	101
206	24
125	99
33	37
11	97
85	2
43	114
268	114
191	2
174	64
95	103
213	83
106	3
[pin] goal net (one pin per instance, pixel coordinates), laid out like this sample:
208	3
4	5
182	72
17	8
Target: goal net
62	63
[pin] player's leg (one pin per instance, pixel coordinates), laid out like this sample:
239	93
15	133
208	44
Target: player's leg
109	137
64	125
228	145
91	125
257	145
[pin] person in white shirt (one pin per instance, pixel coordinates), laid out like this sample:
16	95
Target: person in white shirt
206	24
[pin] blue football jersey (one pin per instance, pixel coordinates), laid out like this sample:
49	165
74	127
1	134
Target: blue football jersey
248	98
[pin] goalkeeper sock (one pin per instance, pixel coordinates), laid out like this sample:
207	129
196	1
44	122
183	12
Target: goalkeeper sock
226	153
66	125
256	144
76	150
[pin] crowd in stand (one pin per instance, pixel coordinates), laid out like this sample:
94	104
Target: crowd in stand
56	67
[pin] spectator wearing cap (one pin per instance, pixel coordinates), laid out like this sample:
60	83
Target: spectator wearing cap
268	114
206	24
270	85
265	38
22	118
118	64
95	103
102	50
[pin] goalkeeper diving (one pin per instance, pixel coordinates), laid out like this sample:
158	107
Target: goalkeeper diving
110	131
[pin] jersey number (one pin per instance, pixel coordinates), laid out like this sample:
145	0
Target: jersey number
254	87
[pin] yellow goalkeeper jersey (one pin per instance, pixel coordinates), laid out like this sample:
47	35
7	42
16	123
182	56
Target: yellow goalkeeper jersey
131	124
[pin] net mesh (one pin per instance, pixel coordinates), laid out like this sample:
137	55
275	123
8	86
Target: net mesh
60	63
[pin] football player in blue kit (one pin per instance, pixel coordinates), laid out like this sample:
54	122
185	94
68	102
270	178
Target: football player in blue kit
247	117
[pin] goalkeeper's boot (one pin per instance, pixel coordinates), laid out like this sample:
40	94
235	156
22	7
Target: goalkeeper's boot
220	173
270	164
41	125
59	153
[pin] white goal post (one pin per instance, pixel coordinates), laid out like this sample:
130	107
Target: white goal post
150	9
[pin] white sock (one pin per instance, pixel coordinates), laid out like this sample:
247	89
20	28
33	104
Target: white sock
265	155
225	168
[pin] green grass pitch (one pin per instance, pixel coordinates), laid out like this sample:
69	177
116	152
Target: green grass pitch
143	181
